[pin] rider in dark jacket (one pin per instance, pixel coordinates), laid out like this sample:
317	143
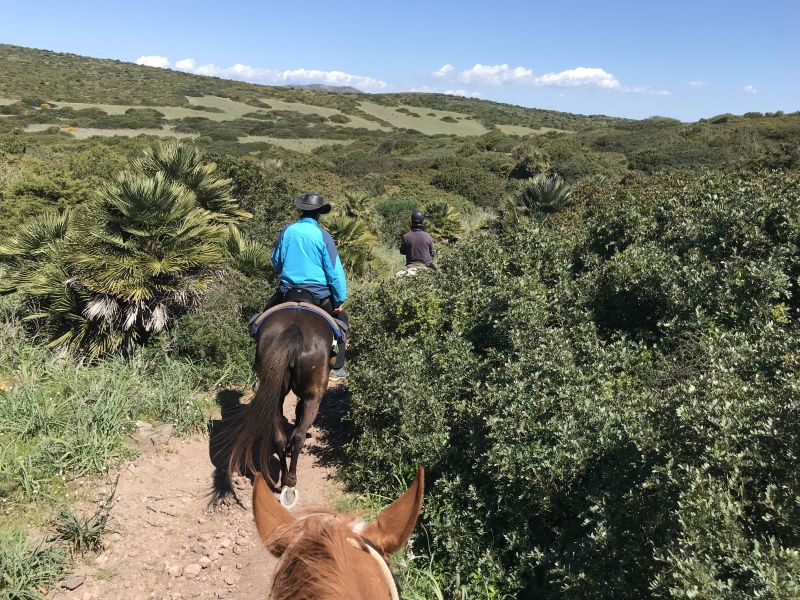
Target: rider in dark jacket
417	244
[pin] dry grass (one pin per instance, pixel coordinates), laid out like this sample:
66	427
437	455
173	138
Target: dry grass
425	123
310	109
520	130
296	144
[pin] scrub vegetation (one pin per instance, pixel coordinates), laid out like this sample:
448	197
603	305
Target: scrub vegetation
602	379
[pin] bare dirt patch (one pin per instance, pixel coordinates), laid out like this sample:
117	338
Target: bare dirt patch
168	542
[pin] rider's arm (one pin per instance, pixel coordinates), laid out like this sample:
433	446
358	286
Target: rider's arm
277	252
334	272
403	246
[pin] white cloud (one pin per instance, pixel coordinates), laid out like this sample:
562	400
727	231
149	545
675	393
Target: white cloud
444	71
495	75
581	77
261	75
153	61
464	93
187	64
584	77
698	83
750	89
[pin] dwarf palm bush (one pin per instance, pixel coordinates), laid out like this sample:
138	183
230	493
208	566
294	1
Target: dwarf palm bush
185	165
538	197
134	258
354	241
248	256
443	222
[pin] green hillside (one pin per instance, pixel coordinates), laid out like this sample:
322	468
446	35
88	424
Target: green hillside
52	76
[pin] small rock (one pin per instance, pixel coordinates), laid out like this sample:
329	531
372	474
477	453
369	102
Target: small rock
191	571
225	543
160	435
204	537
73	582
205	562
229	579
173	570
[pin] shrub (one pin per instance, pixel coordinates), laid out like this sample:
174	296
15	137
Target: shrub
214	335
339	119
395	214
603	412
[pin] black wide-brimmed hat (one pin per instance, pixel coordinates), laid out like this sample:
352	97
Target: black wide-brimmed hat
312	201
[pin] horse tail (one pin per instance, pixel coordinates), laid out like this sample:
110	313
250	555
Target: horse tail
254	435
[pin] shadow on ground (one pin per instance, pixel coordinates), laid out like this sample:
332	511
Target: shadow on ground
334	430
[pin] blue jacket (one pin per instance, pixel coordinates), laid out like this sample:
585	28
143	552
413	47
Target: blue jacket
305	256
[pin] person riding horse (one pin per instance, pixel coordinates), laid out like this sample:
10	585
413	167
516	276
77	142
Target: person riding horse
305	256
417	244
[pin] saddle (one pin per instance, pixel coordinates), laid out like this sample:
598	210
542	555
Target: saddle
339	329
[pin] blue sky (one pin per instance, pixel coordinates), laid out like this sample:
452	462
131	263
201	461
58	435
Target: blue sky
636	59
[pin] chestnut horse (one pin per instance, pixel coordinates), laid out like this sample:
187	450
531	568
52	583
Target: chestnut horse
293	353
328	556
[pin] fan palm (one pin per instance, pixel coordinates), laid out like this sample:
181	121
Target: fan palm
146	251
539	197
354	241
248	256
134	258
184	164
443	222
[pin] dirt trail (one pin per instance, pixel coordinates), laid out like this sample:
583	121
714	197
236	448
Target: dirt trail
168	543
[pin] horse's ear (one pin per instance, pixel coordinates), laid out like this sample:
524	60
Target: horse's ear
394	524
270	515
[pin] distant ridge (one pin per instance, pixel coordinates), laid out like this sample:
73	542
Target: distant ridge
333	89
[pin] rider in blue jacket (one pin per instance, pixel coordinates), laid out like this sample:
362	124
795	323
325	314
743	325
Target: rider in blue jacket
305	256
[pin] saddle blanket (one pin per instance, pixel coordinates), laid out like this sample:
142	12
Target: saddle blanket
338	327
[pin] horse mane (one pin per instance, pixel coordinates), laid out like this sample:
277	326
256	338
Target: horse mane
323	558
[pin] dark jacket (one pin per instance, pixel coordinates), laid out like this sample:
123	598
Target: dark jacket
417	245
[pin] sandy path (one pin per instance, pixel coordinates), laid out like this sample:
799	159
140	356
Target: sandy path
167	542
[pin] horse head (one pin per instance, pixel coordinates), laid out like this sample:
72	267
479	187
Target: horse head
324	554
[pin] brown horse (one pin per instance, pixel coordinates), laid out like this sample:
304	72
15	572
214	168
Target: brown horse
326	556
293	353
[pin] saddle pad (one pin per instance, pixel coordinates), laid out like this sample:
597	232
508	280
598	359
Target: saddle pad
335	325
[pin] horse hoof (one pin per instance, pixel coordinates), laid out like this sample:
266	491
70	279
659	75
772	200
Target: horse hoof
289	497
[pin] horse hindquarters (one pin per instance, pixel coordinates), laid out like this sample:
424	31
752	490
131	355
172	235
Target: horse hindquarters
257	427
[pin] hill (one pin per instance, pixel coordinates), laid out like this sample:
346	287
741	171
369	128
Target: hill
63	77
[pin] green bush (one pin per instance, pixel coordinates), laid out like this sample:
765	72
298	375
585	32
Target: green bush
395	218
215	337
604	411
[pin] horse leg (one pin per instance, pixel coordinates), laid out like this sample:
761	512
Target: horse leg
306	416
281	443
